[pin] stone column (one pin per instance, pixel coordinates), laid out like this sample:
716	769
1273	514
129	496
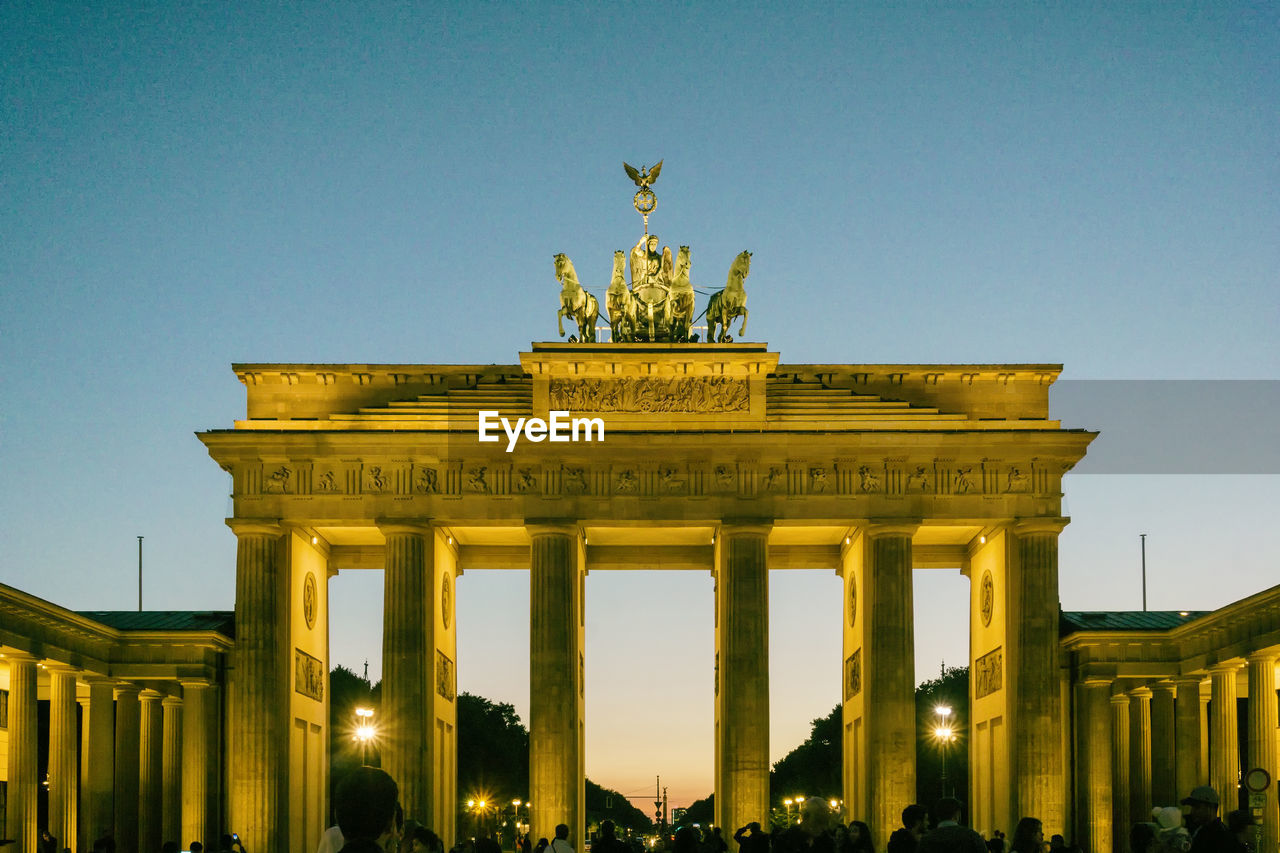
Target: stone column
407	662
98	790
1120	767
889	676
171	802
742	625
1037	762
1186	735
150	768
23	761
1163	747
64	757
198	787
556	780
128	729
1262	736
1094	745
259	707
1140	752
1224	737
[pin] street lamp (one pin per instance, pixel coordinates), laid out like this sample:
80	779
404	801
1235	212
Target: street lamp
945	734
365	732
787	802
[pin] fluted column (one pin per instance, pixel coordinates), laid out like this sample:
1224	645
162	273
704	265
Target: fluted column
23	761
1120	766
1140	751
742	627
1224	736
198	788
1094	747
260	685
171	765
128	730
556	663
150	768
1163	747
1262	736
64	757
1037	734
407	661
98	789
889	675
1186	735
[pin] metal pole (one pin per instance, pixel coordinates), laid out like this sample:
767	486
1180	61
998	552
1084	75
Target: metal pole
1143	537
139	574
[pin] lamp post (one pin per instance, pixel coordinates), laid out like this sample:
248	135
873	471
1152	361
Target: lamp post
365	731
944	733
787	802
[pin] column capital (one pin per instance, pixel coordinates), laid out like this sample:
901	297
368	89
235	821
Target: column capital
171	702
877	527
1263	656
1141	692
1045	526
1165	686
739	526
1227	666
126	688
54	666
405	526
1119	698
150	694
551	527
255	526
195	682
1187	680
18	656
1096	681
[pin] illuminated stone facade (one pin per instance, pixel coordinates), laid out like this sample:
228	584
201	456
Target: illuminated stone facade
716	458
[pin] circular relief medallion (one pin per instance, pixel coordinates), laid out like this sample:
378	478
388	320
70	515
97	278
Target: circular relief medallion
645	201
853	599
446	600
988	597
309	600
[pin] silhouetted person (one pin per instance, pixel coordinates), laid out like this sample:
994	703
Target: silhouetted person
949	836
170	847
1028	836
608	841
365	804
1208	835
751	839
907	838
560	844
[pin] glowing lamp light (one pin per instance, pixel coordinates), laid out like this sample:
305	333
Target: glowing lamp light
942	711
835	804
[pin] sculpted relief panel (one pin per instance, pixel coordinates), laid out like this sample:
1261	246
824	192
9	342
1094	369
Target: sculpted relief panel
863	477
650	394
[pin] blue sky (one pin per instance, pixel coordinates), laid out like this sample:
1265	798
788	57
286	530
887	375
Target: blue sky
188	185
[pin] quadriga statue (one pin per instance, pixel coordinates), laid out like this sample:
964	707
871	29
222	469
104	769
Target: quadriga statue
728	304
575	303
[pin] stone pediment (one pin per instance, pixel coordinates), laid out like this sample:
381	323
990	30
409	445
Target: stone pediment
653	387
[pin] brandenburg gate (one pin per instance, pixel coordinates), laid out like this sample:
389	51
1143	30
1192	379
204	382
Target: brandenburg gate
714	457
651	451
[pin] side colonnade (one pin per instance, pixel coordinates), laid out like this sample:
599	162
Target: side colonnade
135	759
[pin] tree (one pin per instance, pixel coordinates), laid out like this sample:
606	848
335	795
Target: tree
606	804
813	768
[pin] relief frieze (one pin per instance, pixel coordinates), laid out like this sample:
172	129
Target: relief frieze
651	394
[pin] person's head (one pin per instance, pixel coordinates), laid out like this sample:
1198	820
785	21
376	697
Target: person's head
815	816
653	242
1203	801
170	847
365	803
913	818
562	831
860	835
541	845
1239	822
1028	835
606	829
1142	837
1057	842
196	847
948	808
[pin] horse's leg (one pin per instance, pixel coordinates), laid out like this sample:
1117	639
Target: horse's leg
743	330
560	320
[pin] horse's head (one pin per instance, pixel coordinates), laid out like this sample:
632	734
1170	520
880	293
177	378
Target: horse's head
564	269
740	269
619	262
682	259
